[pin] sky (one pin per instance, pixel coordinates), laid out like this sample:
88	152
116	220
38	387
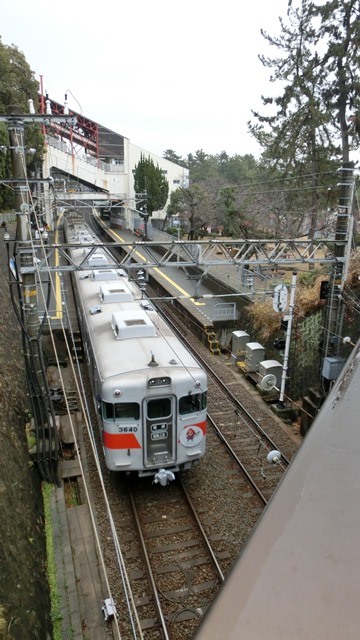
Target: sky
182	76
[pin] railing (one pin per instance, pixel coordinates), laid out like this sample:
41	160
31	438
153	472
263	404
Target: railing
95	162
114	168
8	217
58	144
225	311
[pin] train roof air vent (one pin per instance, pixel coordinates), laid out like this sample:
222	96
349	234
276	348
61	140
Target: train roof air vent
132	324
115	293
97	259
105	274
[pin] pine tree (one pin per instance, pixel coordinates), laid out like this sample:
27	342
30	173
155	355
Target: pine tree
308	131
339	31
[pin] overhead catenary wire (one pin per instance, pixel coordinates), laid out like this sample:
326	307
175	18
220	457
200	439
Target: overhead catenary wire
127	589
47	311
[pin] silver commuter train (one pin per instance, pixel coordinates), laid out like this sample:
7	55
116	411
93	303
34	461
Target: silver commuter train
298	577
149	390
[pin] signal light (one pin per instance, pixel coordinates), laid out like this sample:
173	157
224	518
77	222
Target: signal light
324	289
279	344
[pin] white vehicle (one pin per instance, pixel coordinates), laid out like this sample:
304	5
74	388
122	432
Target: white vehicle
149	390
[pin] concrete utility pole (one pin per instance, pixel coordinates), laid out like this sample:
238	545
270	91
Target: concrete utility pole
47	449
288	338
23	229
142	211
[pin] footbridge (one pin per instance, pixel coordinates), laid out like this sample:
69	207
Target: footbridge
80	176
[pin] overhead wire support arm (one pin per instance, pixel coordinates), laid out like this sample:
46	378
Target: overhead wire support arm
37	119
26	180
202	254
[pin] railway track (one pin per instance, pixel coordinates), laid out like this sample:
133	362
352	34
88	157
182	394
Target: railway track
182	568
160	524
175	567
240	432
178	566
246	440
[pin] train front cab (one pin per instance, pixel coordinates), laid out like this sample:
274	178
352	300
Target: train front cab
161	433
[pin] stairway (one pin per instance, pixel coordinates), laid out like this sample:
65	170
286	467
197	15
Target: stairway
212	341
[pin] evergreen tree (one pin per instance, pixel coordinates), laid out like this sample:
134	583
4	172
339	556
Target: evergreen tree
238	169
17	81
202	166
307	131
150	180
17	85
170	154
236	219
339	32
195	208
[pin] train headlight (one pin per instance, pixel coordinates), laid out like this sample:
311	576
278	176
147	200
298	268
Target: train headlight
117	393
197	383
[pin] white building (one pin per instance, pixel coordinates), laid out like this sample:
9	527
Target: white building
90	163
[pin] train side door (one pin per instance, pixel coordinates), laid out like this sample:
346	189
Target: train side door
160	431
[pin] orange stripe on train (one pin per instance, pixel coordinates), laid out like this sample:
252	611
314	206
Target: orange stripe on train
203	426
120	441
129	440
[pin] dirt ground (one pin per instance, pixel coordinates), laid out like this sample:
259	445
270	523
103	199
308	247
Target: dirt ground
24	597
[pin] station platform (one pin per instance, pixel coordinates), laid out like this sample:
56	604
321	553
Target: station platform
213	300
190	286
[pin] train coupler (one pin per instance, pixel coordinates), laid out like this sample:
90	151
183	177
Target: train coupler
163	477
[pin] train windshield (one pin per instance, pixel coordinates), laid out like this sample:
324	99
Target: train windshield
121	411
191	403
158	408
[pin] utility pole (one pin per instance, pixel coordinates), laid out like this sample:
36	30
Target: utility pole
288	338
47	449
342	248
23	230
143	212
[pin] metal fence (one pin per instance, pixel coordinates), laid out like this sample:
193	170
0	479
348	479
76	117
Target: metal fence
225	311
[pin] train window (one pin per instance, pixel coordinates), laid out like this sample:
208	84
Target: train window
108	411
192	403
127	411
159	408
204	400
121	411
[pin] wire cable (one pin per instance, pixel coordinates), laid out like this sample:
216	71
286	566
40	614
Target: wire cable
81	393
